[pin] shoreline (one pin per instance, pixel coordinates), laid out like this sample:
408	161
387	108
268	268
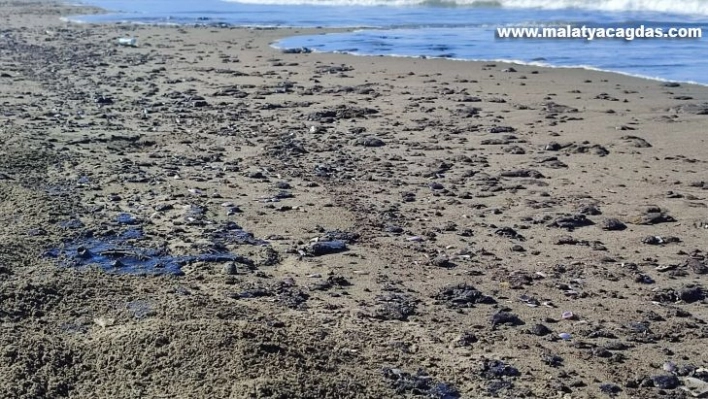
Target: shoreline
323	31
206	216
508	63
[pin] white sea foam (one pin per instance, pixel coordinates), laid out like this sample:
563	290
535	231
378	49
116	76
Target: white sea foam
690	7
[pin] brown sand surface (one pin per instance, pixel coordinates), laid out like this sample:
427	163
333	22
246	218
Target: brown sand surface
477	204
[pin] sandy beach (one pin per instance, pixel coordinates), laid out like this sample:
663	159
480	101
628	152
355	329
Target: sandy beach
205	216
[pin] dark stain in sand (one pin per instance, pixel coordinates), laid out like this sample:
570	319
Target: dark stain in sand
119	254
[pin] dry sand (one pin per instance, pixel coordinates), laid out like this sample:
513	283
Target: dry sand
477	204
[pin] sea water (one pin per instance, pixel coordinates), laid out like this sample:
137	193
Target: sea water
459	29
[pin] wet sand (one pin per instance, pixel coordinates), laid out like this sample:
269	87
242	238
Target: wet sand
205	216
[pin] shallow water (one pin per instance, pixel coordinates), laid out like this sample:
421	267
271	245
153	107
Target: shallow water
462	30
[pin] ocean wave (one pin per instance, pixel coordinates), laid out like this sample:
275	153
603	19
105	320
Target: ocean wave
690	7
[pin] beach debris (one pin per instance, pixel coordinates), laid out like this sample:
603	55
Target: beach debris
652	215
665	381
268	256
340	69
126	218
284	292
569	240
289	295
320	248
643	279
528	173
496	369
443	391
688	294
296	50
659	240
515	150
697	265
697	387
612	224
436	186
639	327
570	222
555	146
701	223
692	294
127	41
539	330
568	315
495	387
590	210
395	306
552	360
252	294
441	261
504	317
103	100
465	339
419	383
232	233
594	149
669	367
194	214
694	109
529	301
500	141
635	141
508	232
502	129
231	269
553	108
340	235
462	296
332	281
518	279
565	336
665	268
610	389
340	112
369	142
499	375
393	229
552	162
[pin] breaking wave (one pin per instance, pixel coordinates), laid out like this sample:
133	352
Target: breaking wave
687	7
